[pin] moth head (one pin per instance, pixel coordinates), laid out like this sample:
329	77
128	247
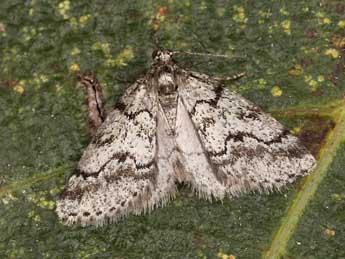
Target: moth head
162	56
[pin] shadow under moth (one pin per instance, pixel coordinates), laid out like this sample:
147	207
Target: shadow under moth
174	126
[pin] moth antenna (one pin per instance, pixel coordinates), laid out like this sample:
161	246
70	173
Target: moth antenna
231	77
207	54
154	35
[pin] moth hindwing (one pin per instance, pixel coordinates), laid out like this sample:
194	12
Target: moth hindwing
174	126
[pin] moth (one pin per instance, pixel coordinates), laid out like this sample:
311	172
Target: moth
173	126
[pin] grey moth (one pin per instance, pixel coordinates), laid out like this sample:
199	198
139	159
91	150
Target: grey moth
173	126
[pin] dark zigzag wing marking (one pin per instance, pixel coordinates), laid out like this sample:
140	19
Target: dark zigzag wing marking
250	149
121	175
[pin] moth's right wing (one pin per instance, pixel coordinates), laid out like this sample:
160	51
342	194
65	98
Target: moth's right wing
231	146
121	170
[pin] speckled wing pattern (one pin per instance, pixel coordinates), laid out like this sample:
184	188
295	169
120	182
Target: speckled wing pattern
120	171
178	126
241	148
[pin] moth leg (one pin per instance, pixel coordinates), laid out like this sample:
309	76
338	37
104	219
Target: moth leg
123	80
229	78
94	100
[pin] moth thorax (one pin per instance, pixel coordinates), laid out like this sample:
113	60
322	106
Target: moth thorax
166	83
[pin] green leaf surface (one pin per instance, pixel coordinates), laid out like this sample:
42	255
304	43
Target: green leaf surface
293	55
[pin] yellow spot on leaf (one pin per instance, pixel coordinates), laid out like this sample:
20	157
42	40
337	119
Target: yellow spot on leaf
332	52
320	14
110	62
239	15
75	51
73	21
320	78
329	232
58	88
124	56
9	197
74	67
296	70
37	218
42	78
63	8
326	20
43	203
307	78
221	11
296	130
31	11
276	91
312	82
265	14
283	11
18	88
202	6
51	205
84	18
38	79
225	256
28	33
31	214
65	5
336	197
286	25
54	190
105	47
322	18
309	50
313	85
261	83
305	9
341	24
338	41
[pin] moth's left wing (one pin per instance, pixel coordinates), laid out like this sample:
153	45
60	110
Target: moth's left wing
239	146
122	170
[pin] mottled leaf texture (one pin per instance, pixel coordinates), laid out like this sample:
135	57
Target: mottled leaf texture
174	126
